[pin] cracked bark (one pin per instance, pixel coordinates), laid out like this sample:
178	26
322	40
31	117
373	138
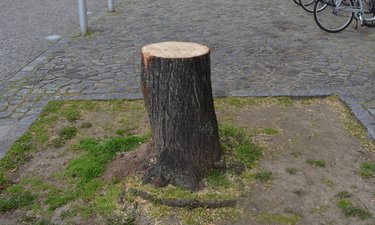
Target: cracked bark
178	97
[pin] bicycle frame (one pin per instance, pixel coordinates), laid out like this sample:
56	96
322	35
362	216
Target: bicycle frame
357	9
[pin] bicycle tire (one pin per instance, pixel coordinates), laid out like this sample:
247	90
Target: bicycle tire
307	5
333	15
369	13
297	2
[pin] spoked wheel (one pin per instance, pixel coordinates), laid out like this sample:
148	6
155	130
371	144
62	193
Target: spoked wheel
331	17
308	5
296	1
369	12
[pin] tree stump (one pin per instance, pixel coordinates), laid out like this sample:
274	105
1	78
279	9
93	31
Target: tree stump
176	85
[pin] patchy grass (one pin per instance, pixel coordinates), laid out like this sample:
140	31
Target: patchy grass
352	211
349	209
367	170
217	179
237	145
263	176
18	154
86	125
58	142
299	192
351	124
67	133
316	163
121	132
98	154
71	114
238	102
343	194
80	185
328	182
270	131
14	197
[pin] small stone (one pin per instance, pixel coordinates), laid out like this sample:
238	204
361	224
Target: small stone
53	38
372	111
18	115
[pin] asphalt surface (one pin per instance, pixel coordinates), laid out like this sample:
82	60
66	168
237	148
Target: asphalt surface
24	25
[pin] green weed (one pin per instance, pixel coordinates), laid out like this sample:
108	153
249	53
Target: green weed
57	198
15	196
68	214
270	131
352	211
316	163
299	192
217	179
263	176
58	142
67	133
121	132
71	114
52	107
248	153
285	101
92	164
343	194
236	143
367	170
327	182
18	153
4	182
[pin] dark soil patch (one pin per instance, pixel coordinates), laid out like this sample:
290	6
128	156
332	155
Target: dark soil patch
130	163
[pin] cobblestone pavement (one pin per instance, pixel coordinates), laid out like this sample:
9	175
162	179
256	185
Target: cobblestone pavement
259	48
24	25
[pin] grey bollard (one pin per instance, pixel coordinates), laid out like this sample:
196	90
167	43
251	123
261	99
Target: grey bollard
82	11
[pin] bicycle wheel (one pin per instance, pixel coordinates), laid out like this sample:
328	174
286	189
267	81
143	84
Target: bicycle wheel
331	17
369	13
296	1
307	5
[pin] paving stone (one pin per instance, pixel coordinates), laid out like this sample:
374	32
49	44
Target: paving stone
5	114
248	58
3	106
372	111
18	115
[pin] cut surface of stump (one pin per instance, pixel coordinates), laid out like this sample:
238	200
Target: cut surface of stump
176	84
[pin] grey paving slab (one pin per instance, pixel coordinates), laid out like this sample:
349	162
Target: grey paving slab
259	48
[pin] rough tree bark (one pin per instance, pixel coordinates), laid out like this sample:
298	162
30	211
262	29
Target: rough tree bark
176	86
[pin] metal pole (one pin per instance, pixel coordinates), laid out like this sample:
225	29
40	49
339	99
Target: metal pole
111	5
82	10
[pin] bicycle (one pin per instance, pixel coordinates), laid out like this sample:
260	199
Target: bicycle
296	1
335	15
308	5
